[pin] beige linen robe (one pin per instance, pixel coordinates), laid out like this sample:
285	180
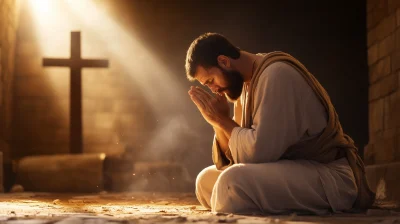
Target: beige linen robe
286	112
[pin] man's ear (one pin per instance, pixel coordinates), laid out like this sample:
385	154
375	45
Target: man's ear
224	62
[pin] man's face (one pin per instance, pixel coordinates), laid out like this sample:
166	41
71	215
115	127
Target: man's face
221	81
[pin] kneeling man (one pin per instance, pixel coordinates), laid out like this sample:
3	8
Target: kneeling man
284	150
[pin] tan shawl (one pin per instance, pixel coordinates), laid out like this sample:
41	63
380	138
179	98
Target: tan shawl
330	145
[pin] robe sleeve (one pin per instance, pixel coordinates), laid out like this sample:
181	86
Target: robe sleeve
277	116
220	159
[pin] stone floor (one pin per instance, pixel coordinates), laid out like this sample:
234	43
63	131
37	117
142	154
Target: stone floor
46	208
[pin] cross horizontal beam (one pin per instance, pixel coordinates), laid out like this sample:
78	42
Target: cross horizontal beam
80	63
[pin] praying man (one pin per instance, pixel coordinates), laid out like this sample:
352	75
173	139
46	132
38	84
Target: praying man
284	150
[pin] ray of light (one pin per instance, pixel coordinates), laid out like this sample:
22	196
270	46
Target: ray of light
155	79
103	37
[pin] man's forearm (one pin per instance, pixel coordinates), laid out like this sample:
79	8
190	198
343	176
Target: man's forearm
226	126
223	133
223	141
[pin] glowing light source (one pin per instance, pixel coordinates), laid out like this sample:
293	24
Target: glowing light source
41	8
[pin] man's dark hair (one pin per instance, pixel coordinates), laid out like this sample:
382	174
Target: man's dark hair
204	51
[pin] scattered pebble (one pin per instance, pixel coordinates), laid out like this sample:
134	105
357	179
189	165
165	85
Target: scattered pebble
17	188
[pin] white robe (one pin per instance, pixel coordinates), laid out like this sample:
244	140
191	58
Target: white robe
286	111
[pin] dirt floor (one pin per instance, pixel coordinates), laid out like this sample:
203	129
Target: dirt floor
41	208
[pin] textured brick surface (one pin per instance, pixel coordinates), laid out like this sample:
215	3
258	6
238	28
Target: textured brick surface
376	116
380	69
383	42
373	55
392	110
378	12
393	5
383	87
386	26
386	46
8	28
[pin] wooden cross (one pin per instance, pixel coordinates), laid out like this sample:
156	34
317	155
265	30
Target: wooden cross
75	63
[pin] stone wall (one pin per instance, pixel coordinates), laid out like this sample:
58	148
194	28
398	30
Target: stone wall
383	38
382	155
8	27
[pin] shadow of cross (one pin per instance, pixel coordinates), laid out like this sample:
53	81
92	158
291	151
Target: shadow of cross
75	63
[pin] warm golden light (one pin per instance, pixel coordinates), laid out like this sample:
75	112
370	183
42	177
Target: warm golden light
102	37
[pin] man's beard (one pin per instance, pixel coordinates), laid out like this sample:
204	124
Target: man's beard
234	84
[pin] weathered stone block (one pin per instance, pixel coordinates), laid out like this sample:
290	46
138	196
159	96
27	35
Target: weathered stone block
376	115
397	145
384	150
98	136
398	17
127	119
392	111
380	69
95	76
369	154
386	46
100	90
393	5
373	54
395	61
377	14
384	87
88	121
397	36
62	173
98	104
372	36
371	4
391	133
125	106
386	26
104	120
